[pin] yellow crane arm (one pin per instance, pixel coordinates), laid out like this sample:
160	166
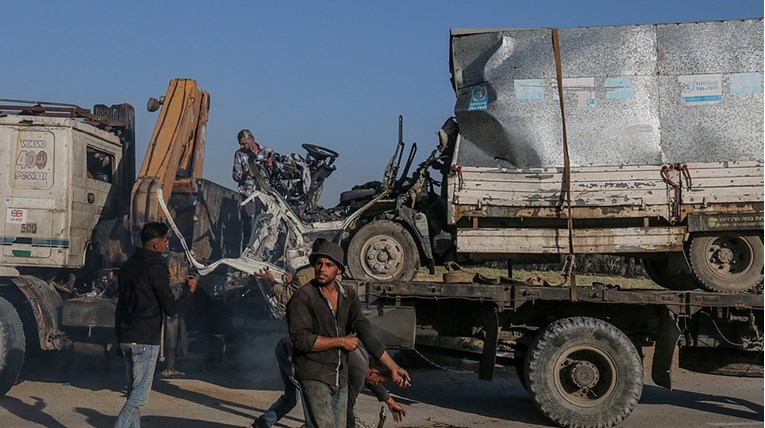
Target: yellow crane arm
175	155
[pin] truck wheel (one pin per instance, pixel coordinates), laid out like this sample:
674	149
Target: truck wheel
657	269
11	346
383	250
519	362
728	263
584	372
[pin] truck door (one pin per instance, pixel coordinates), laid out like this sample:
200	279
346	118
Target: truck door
31	199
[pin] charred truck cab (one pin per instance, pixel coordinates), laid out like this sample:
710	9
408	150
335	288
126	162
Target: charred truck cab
73	207
64	168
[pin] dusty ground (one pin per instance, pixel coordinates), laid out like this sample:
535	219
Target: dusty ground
80	391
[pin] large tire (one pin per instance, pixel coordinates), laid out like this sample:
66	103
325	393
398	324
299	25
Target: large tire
11	346
584	372
382	250
657	268
519	362
728	262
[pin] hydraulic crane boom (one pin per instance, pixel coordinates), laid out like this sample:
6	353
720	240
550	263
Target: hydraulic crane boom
175	156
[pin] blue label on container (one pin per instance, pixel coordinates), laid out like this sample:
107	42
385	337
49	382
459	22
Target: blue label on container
479	97
702	99
745	83
619	88
529	89
701	89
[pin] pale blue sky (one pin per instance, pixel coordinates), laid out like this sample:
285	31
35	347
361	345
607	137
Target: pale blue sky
332	73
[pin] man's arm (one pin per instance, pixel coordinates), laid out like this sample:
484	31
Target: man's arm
347	343
300	324
359	325
302	334
282	291
160	281
362	327
374	381
379	391
241	168
396	409
398	375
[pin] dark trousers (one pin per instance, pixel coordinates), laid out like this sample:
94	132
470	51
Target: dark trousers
246	214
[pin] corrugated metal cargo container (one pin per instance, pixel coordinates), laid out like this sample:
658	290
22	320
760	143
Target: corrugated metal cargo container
664	130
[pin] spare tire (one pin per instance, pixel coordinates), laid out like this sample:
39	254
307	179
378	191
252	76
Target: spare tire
12	345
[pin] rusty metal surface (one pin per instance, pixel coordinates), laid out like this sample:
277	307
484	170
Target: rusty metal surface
440	290
515	293
645	94
671	299
672	192
555	241
88	313
217	228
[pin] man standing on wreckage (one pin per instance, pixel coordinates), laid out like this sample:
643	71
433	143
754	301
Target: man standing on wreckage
325	325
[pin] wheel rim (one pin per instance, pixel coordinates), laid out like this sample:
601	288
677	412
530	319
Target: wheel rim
585	376
383	257
728	256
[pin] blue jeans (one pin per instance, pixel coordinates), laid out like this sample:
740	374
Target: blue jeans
324	406
140	361
291	395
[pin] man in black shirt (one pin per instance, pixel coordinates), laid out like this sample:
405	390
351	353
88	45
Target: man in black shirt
144	295
325	324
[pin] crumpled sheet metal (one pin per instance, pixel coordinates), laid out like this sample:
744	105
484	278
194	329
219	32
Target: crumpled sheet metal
633	95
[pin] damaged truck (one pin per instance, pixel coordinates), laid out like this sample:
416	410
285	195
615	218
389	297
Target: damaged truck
642	141
74	207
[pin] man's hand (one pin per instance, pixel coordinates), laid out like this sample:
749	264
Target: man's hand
396	409
265	275
346	343
400	377
349	343
191	282
374	377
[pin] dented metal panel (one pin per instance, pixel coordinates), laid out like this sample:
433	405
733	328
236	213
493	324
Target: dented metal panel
646	94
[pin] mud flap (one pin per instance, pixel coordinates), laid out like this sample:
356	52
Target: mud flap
666	343
45	303
489	355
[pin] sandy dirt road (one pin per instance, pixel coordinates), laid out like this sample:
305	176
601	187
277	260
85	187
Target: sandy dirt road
70	390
